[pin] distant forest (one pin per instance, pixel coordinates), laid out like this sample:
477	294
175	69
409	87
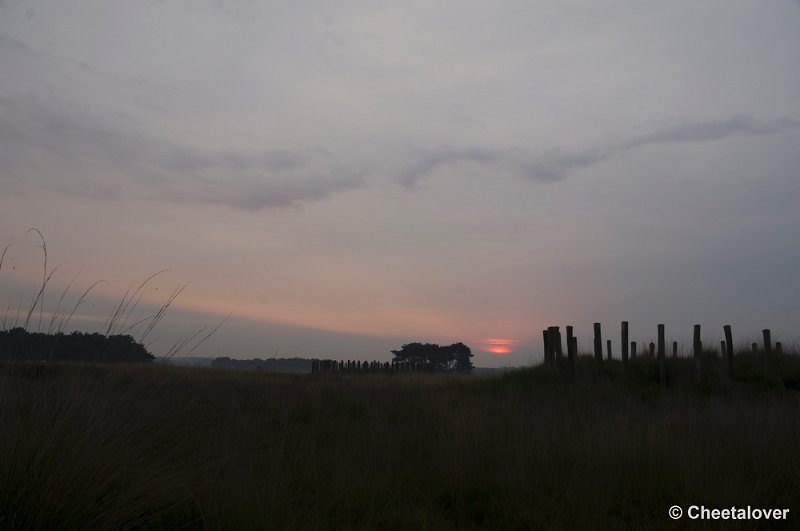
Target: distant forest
19	344
271	364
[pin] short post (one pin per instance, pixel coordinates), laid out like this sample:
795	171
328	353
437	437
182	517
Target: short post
652	350
674	349
608	349
571	350
598	344
633	350
662	357
778	347
623	345
767	341
575	346
729	347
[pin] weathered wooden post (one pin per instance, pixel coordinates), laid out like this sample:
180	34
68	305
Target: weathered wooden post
767	341
598	344
633	350
571	354
662	357
608	349
546	342
778	347
674	349
555	342
623	345
697	349
729	347
697	344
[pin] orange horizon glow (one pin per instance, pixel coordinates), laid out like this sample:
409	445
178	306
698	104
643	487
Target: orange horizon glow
498	345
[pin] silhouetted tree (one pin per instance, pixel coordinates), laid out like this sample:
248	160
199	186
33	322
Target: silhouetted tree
19	344
452	358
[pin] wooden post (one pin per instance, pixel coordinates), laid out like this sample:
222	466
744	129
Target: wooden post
571	354
778	347
633	350
697	349
729	347
598	344
662	357
545	337
575	346
767	341
555	338
608	349
697	344
674	349
623	345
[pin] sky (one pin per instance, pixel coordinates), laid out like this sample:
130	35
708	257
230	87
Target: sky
339	179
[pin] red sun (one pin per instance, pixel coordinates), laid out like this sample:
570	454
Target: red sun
498	345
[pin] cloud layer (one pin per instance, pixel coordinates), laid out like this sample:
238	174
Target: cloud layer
66	143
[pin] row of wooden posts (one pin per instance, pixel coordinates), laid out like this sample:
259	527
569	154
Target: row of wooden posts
553	346
325	366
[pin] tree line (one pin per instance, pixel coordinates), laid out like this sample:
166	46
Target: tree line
20	344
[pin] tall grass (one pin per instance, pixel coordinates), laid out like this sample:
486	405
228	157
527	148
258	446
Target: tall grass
120	321
124	447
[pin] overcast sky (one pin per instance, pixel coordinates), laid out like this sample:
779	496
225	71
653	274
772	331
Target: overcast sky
343	178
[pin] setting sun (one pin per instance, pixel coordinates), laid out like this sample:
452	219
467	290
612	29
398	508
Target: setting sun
497	345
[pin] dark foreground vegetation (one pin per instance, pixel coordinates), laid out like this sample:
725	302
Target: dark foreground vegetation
150	446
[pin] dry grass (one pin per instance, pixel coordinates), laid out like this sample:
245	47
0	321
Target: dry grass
149	447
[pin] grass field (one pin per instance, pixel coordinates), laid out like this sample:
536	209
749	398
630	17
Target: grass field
158	447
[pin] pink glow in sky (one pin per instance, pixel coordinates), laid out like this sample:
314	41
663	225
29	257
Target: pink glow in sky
343	179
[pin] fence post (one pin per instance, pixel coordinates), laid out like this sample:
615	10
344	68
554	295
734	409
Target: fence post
545	334
598	344
697	344
555	337
623	345
633	350
662	357
729	347
652	350
767	341
697	349
674	349
571	350
778	347
608	349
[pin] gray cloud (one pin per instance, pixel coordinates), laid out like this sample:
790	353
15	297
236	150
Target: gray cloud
9	44
740	125
556	163
84	153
